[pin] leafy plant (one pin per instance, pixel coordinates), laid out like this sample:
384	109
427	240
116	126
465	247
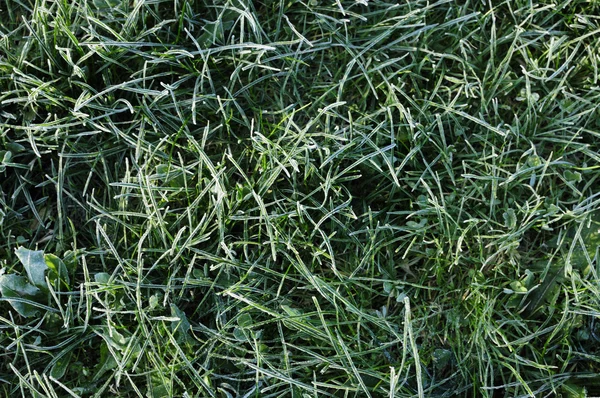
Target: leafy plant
44	272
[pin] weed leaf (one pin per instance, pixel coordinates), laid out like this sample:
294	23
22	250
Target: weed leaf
35	265
15	286
537	297
58	270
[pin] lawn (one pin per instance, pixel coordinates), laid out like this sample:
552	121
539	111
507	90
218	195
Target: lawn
342	198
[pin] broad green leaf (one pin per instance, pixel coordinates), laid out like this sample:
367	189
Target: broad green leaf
414	225
60	367
58	270
18	287
572	176
518	287
441	358
162	169
14	147
181	327
116	339
153	301
528	281
388	287
400	296
107	361
5	156
158	386
245	321
160	391
239	334
70	260
534	161
537	297
101	277
35	265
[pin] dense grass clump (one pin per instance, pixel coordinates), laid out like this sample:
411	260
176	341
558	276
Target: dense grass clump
346	198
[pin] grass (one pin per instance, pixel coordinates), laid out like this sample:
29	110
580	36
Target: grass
308	199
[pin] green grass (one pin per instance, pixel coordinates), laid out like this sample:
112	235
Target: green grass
308	199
